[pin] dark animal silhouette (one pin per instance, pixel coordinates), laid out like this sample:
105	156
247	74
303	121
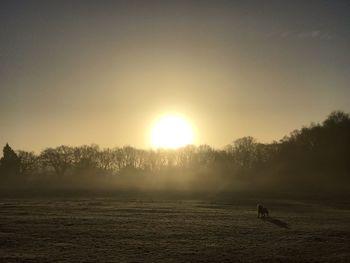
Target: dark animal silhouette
262	211
259	209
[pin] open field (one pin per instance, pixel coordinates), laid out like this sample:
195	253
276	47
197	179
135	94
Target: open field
112	230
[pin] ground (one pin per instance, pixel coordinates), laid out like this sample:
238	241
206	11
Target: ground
148	230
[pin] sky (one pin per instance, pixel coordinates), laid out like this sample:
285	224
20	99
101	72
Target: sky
83	72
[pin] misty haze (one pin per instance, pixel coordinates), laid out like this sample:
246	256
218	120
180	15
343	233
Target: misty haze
174	131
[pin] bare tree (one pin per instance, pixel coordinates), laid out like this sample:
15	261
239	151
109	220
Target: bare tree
59	158
29	163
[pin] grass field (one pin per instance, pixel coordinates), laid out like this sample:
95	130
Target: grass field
112	230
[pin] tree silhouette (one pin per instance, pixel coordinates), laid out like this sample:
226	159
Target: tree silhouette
244	151
29	164
10	164
313	157
59	158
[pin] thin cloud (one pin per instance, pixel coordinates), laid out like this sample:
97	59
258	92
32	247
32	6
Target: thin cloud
309	34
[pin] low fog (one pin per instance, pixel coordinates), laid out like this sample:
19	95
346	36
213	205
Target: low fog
313	159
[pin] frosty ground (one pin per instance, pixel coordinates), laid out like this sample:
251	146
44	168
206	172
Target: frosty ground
149	230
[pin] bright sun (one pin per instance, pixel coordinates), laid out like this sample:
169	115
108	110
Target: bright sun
171	131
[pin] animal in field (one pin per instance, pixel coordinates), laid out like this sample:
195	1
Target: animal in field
262	211
265	212
259	209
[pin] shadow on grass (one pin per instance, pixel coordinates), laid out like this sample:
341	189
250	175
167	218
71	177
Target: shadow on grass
276	222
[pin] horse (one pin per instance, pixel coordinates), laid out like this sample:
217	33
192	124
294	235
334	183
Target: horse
262	211
265	212
259	209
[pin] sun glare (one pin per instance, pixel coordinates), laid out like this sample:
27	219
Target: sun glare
171	131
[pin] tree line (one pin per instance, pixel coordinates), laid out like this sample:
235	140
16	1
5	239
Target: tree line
316	156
